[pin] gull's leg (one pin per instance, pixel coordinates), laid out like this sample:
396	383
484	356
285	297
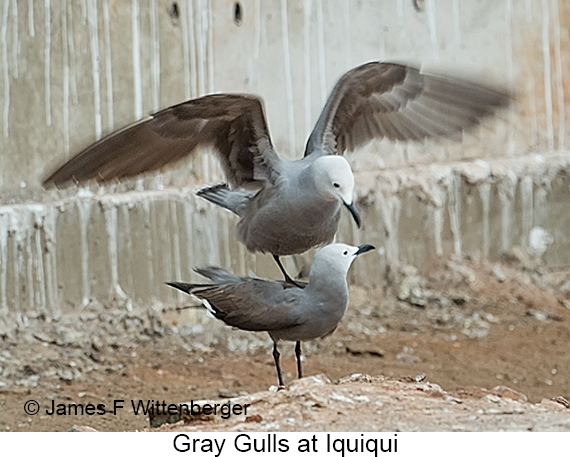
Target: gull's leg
277	366
298	356
285	275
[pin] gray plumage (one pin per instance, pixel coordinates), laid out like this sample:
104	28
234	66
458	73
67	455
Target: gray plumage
284	311
287	207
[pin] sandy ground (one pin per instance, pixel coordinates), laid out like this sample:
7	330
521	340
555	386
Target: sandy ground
489	342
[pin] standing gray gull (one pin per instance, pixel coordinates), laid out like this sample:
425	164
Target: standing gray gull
284	311
289	206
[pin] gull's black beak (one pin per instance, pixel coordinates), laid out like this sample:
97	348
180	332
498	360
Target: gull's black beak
354	212
364	248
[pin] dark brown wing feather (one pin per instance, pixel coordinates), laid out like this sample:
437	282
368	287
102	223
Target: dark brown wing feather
233	125
399	102
252	304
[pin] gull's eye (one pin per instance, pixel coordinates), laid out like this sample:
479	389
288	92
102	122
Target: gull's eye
337	185
345	253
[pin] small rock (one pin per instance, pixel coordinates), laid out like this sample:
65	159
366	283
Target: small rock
82	428
96	356
44	337
68	374
407	358
453	399
507	392
73	338
499	274
319	379
538	315
492	398
31	381
562	401
549	403
466	273
226	393
459	299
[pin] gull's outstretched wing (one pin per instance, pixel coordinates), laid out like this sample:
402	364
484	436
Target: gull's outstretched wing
399	102
233	125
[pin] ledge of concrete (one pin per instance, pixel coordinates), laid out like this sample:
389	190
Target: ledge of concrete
59	255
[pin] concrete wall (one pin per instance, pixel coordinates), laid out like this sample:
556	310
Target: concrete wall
73	71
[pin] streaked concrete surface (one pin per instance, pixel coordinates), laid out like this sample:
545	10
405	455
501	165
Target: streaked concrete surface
59	255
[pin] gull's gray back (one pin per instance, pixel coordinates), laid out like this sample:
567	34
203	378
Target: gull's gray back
289	216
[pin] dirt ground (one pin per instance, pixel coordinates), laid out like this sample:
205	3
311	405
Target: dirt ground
377	404
467	325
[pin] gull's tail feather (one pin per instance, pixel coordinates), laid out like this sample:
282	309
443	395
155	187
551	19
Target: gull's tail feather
222	195
183	286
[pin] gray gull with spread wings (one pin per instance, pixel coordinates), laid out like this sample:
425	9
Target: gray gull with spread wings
287	207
